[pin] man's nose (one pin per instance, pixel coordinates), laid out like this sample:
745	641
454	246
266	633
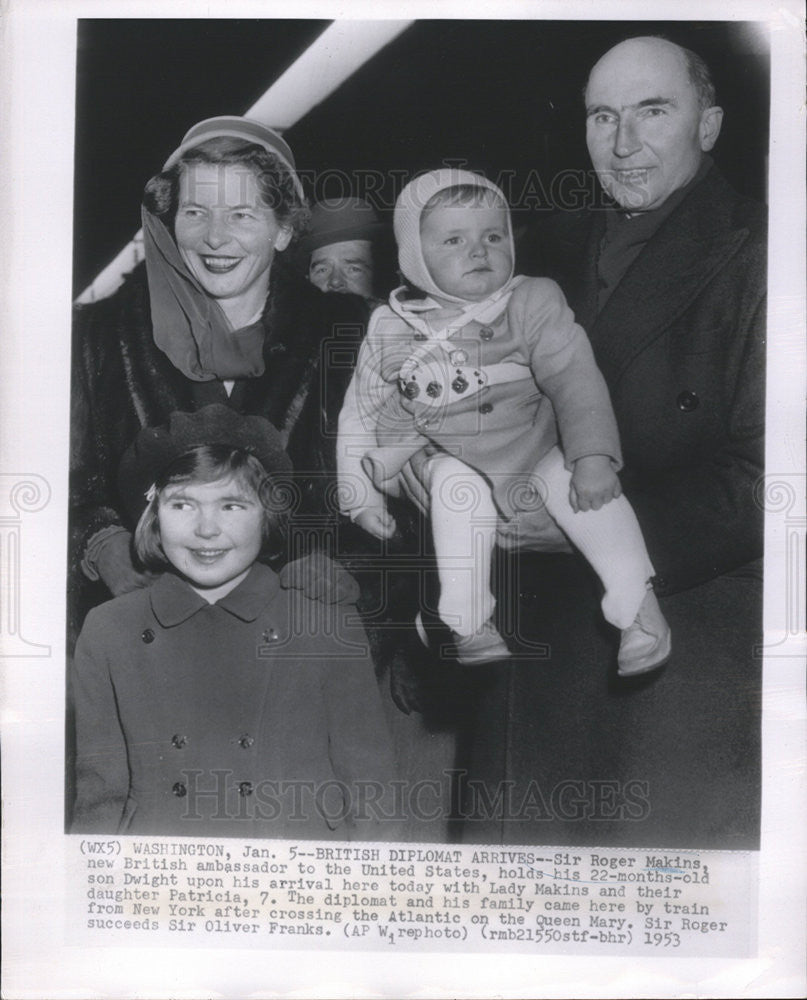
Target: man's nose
336	280
626	139
207	524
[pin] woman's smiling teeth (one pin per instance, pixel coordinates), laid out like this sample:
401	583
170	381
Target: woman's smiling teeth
221	265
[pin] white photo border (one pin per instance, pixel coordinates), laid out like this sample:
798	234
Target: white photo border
36	205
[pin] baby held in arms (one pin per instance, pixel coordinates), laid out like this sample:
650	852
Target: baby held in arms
484	379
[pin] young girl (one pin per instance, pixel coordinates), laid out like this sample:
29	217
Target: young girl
490	373
214	703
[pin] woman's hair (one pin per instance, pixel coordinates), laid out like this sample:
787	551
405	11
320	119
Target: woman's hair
276	184
464	196
209	463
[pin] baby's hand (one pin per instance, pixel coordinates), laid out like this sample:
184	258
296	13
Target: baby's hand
594	483
376	521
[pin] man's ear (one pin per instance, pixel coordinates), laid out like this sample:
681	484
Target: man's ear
709	128
283	238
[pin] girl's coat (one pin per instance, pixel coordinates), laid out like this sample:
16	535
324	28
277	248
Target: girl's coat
255	716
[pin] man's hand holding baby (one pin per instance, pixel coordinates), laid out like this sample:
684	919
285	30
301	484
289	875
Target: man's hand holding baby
594	483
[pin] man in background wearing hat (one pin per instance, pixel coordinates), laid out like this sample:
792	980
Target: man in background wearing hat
342	243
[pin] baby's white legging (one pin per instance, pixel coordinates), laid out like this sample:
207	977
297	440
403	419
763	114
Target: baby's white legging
464	519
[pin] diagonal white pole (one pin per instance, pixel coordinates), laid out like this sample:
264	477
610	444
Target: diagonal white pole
339	51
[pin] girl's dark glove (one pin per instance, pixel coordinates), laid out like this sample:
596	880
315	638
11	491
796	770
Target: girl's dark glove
320	579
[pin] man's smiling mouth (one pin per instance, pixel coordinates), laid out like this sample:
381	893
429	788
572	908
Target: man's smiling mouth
636	175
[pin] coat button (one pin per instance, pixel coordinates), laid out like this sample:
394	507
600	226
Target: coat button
687	401
486	407
486	333
178	741
179	790
433	389
458	357
245	788
246	741
147	635
270	635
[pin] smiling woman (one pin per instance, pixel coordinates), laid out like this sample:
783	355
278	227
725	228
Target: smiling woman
227	236
215	318
232	205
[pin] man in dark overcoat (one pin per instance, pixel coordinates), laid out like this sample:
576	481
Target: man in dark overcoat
669	281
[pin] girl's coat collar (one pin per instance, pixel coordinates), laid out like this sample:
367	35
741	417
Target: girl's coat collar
173	601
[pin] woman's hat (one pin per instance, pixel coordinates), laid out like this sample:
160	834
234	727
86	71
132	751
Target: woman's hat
235	127
155	448
337	220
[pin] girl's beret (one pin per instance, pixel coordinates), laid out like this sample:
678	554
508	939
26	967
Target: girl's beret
155	448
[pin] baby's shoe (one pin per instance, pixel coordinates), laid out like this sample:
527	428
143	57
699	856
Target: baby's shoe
485	645
645	645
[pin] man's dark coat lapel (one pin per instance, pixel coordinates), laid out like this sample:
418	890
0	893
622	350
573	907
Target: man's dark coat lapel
691	246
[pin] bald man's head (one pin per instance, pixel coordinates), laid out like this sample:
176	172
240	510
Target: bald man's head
649	119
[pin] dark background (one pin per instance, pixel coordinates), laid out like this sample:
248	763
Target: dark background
504	97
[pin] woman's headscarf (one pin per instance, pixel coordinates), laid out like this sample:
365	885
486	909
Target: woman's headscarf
189	325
